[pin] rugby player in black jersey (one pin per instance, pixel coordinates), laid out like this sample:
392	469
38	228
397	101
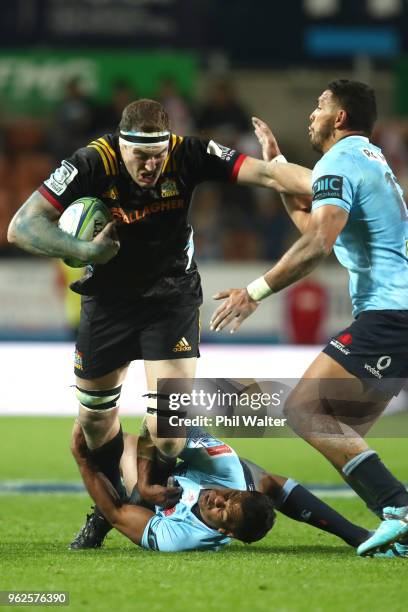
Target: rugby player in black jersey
141	291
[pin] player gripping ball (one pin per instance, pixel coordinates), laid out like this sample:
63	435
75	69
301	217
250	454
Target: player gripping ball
84	219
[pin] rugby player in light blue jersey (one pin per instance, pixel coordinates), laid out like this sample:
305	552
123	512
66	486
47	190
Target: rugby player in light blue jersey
351	203
222	497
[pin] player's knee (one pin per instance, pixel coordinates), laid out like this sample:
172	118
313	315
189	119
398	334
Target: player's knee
292	409
164	436
100	402
288	406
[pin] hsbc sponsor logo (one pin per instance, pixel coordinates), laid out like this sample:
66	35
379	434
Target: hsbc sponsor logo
383	363
328	186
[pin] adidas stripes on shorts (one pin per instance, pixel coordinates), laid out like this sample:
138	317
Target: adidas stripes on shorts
114	332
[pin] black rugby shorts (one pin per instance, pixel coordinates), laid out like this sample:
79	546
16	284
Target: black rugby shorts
374	348
114	332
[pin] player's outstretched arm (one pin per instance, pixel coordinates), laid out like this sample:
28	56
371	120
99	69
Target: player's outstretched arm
128	519
34	228
285	178
298	207
312	248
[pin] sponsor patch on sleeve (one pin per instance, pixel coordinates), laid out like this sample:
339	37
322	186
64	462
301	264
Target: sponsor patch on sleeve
328	186
218	450
61	178
220	151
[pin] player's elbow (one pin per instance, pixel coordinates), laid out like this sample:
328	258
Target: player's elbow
19	226
11	236
277	187
13	230
321	245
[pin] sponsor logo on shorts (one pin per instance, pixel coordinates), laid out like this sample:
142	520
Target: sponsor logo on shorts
372	370
169	189
341	342
78	360
328	186
61	178
345	339
383	363
181	346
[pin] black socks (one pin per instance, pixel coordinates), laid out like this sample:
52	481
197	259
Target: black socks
301	505
374	483
107	458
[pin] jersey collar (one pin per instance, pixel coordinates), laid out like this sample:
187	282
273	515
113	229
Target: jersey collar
360	136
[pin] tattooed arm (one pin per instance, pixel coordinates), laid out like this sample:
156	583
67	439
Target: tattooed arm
34	228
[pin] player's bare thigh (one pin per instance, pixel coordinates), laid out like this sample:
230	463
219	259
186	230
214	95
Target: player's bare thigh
328	388
168	368
100	426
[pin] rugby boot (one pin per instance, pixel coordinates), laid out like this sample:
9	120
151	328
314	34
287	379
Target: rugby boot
394	528
395	551
93	533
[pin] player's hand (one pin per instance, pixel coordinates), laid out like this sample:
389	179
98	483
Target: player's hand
105	245
267	140
237	307
79	448
165	497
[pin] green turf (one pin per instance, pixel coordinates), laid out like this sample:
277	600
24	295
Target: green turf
294	568
38	448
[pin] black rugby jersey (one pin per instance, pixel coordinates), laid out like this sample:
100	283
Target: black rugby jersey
155	259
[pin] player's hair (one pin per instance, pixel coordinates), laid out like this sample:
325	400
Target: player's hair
358	100
258	517
145	116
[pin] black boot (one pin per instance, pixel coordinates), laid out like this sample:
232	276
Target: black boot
93	533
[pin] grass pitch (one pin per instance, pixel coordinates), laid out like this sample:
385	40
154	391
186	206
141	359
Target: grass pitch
294	568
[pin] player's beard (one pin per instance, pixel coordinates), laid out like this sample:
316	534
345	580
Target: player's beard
318	138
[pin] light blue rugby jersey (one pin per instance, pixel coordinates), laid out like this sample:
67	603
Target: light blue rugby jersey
373	245
207	463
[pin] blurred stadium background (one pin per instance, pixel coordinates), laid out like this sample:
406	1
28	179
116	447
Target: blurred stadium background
67	68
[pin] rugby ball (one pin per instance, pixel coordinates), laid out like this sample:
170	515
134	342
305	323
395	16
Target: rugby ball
84	219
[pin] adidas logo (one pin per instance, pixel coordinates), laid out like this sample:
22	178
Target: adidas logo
182	345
